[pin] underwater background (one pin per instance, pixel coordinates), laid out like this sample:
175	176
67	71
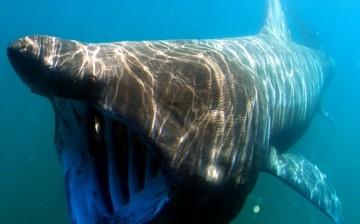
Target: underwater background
31	179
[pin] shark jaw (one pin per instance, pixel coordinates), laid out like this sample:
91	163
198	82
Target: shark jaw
111	174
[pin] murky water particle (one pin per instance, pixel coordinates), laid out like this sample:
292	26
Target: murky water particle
256	209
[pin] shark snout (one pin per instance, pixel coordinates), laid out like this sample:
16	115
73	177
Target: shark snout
24	50
35	59
23	54
29	56
25	45
30	51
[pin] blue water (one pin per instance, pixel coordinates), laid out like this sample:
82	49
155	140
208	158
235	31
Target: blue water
31	180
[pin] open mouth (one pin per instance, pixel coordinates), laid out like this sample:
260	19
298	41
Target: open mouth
111	173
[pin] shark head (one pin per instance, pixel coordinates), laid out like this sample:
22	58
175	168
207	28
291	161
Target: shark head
39	70
146	134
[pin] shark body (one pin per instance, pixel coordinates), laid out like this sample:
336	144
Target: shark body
178	131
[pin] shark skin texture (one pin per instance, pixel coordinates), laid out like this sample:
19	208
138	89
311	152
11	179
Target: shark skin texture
177	131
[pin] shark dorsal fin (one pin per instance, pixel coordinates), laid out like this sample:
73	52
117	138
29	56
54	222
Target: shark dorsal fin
275	23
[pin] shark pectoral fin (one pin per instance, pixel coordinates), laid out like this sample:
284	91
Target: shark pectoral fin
306	179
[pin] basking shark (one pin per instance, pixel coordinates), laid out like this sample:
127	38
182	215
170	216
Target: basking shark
178	131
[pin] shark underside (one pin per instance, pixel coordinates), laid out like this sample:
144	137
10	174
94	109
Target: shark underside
178	131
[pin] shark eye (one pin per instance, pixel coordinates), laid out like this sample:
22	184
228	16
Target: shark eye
90	80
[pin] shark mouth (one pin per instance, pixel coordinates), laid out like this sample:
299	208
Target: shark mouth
111	174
